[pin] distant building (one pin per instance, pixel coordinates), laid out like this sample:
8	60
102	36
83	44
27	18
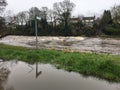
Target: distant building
74	20
88	21
11	25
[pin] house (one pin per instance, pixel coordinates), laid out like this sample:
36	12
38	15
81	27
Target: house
74	20
88	21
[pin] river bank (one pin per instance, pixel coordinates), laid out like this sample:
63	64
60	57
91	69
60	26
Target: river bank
100	65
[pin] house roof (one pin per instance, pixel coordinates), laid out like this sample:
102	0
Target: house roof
88	18
72	19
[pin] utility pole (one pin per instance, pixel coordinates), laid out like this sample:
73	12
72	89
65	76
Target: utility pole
36	32
36	29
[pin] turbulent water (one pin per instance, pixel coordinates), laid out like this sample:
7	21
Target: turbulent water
82	44
17	75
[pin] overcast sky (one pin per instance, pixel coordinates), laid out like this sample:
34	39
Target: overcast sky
84	7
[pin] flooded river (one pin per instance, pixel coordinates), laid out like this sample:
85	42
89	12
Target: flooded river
17	75
79	44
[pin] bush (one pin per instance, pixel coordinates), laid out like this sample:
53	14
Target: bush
2	23
88	31
110	30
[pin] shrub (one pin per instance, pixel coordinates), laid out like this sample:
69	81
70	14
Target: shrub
110	30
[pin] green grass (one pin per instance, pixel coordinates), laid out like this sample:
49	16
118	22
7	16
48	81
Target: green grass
99	65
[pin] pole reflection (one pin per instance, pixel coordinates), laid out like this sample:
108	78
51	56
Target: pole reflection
38	73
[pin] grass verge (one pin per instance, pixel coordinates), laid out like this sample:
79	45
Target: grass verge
99	65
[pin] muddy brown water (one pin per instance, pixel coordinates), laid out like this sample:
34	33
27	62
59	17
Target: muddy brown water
17	75
79	44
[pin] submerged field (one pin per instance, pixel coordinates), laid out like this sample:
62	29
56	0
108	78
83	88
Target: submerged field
100	65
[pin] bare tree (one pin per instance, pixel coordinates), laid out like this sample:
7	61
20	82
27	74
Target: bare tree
22	17
19	19
33	12
9	16
15	20
63	10
44	13
116	13
3	4
50	15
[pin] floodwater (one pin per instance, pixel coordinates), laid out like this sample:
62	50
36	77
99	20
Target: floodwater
17	75
79	44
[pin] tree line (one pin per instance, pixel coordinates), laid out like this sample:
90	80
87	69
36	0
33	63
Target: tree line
57	22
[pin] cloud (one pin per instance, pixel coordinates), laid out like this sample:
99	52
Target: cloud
82	6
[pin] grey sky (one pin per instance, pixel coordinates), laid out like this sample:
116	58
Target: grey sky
84	7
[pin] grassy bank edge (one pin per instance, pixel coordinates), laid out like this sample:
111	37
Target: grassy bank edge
100	65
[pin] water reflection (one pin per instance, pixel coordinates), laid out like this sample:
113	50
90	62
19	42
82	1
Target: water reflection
38	73
4	73
23	76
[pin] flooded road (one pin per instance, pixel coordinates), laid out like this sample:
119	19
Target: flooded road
79	44
17	75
